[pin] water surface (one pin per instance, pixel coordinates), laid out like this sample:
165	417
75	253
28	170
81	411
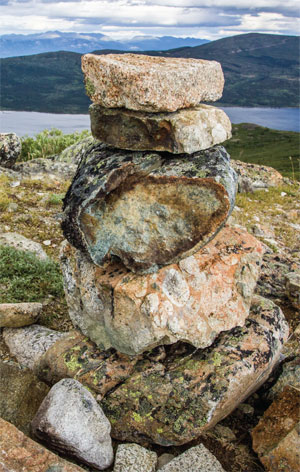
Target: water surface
30	123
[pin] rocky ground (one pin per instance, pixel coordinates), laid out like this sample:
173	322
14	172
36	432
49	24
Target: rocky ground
268	206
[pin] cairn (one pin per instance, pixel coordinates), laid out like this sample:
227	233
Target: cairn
140	210
156	280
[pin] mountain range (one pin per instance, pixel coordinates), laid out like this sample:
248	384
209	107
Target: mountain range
51	41
260	70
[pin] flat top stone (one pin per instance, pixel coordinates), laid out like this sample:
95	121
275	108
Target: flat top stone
140	82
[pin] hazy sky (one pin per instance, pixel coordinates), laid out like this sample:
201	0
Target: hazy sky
209	19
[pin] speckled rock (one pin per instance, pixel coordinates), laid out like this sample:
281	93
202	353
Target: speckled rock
253	177
21	394
30	343
10	149
276	438
195	459
292	284
71	422
185	131
134	458
20	453
16	315
192	301
148	209
37	169
140	82
17	241
172	401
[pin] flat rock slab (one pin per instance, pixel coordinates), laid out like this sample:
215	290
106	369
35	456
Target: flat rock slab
134	458
20	453
276	438
148	209
185	131
28	344
147	83
16	315
195	459
192	301
21	394
171	402
71	422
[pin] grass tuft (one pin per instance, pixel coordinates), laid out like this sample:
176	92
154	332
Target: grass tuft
24	278
48	143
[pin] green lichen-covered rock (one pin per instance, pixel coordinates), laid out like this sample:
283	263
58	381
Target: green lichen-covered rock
74	153
170	395
148	209
173	401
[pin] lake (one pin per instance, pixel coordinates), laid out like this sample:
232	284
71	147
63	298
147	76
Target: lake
31	123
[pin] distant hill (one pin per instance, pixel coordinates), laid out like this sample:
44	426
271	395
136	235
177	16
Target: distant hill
51	41
260	70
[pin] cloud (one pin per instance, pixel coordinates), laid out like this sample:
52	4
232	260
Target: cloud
200	18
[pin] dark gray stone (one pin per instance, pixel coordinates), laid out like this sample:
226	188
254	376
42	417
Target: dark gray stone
10	149
148	209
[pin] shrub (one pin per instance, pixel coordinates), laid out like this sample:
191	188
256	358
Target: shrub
48	143
25	278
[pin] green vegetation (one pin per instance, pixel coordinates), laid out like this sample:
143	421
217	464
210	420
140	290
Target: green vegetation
260	70
56	199
24	278
264	146
48	143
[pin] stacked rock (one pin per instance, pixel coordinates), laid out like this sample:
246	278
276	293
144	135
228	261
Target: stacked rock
152	103
137	213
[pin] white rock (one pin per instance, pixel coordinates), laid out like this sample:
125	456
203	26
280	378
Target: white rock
30	343
134	458
72	422
195	459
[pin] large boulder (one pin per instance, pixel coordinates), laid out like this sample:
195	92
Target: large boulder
147	83
10	149
186	131
192	301
172	394
71	422
20	453
172	401
148	209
